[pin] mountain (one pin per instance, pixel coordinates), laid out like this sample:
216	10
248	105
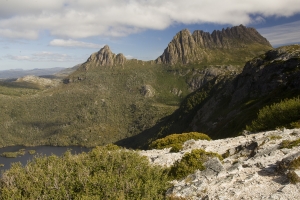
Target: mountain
203	47
224	106
111	99
17	73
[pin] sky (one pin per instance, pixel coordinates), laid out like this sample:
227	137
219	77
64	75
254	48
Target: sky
63	33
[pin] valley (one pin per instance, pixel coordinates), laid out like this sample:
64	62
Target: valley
214	115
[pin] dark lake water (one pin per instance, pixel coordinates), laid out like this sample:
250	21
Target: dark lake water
40	150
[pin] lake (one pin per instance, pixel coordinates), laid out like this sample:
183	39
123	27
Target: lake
39	150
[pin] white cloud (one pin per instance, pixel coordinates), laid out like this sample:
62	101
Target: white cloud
74	43
282	34
115	18
129	57
43	56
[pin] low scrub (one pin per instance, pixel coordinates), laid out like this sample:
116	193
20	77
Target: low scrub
103	173
290	144
175	141
191	162
283	114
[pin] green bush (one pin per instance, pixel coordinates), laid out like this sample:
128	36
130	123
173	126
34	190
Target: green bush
177	140
15	154
191	162
290	144
283	114
103	173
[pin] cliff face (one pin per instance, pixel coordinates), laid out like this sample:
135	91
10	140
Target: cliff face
186	47
104	57
265	79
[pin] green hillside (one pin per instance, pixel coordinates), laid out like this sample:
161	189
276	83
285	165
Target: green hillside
109	99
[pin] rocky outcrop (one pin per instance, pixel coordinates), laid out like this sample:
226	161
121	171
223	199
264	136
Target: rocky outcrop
42	82
250	169
147	91
262	80
104	57
187	48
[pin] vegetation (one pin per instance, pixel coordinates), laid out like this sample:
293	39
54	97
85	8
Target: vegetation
275	137
31	152
283	114
293	177
103	173
175	141
191	162
15	154
290	167
290	144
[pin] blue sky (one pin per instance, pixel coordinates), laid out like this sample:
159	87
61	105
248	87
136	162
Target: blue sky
63	33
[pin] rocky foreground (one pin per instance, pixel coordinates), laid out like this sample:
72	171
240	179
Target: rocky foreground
252	169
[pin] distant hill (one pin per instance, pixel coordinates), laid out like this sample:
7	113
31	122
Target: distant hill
17	73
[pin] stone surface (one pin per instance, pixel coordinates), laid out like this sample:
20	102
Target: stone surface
43	82
239	176
104	57
186	47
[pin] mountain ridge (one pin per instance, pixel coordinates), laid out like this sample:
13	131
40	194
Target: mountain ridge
109	98
186	47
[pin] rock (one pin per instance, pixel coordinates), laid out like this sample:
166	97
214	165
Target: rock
104	57
43	82
187	48
285	163
212	167
238	176
147	91
260	77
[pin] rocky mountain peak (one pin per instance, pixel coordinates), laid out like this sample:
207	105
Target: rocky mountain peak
105	57
186	47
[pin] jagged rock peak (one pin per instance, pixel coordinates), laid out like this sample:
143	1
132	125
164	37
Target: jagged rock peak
104	57
186	47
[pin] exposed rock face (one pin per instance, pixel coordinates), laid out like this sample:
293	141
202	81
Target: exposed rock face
264	78
43	82
187	48
249	171
148	91
104	57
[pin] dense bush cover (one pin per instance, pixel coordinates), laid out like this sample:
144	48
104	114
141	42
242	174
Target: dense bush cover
283	114
191	162
103	173
176	140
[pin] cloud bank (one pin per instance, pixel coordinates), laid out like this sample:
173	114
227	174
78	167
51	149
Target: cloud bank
74	43
42	57
282	34
115	18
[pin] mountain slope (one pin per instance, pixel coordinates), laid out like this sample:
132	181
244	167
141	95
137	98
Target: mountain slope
108	99
223	107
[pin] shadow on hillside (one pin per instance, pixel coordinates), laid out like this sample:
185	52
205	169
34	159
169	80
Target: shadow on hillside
141	140
272	172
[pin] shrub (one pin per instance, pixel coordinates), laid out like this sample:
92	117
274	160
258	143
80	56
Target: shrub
275	137
176	140
191	162
31	152
289	144
283	114
100	174
293	177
